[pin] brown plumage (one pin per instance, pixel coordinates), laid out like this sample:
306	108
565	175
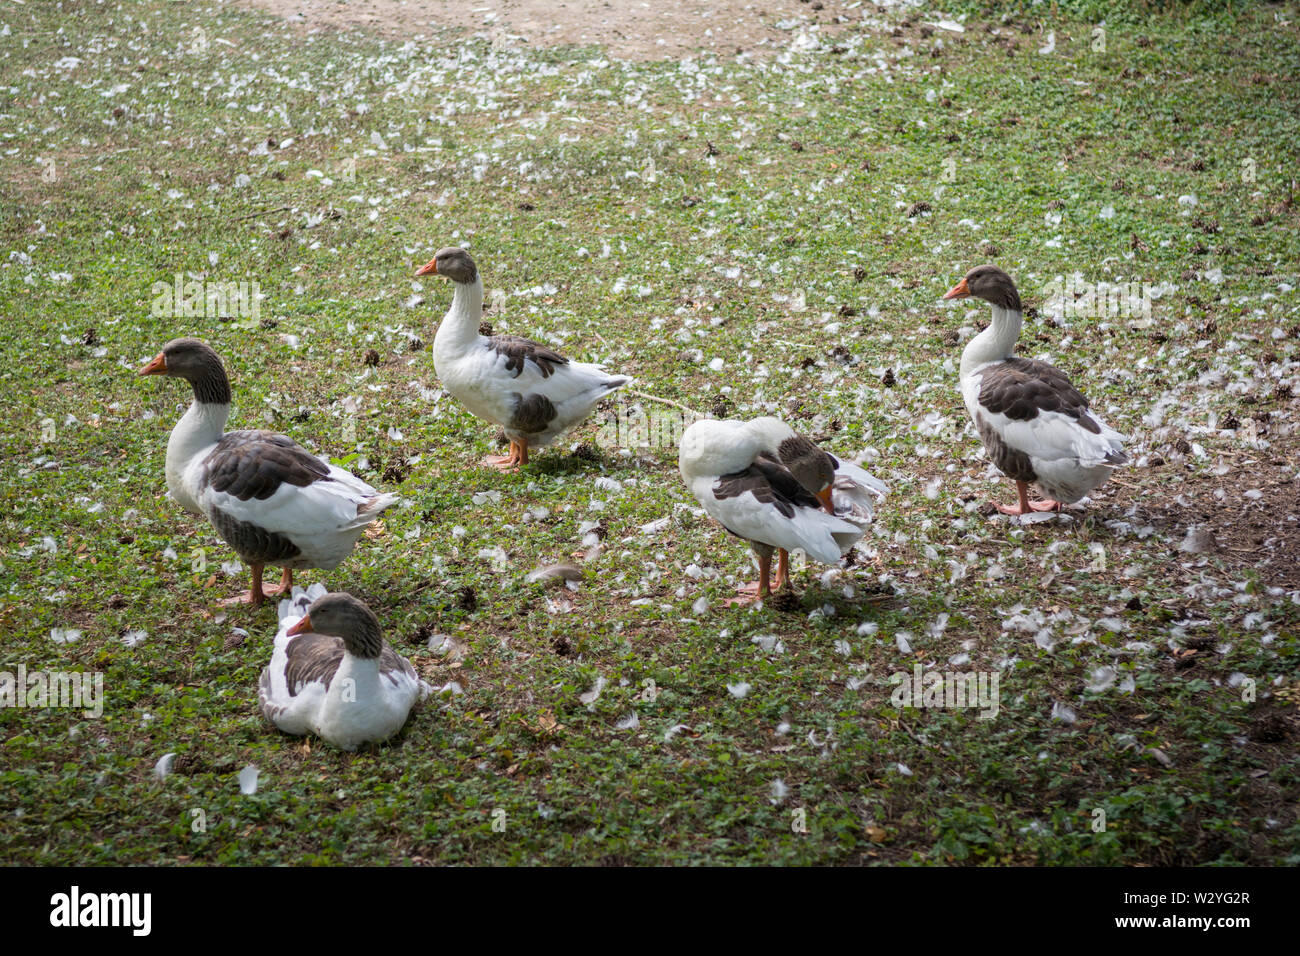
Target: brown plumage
254	464
532	413
518	350
770	483
1021	388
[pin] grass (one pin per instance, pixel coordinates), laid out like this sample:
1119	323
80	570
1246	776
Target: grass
659	216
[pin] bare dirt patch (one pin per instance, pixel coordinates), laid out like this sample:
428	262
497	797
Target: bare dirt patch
629	29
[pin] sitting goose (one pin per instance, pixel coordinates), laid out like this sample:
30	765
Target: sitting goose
771	486
270	499
333	674
532	392
1036	426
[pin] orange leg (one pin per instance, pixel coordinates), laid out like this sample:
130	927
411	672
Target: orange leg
255	594
1026	506
518	456
760	589
286	584
782	568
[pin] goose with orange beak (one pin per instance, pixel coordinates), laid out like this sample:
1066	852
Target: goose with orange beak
1036	426
332	674
270	499
774	488
532	392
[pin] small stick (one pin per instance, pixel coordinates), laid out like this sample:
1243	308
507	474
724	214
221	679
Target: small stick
666	401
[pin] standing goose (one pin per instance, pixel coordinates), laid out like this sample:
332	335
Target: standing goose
270	499
1036	426
766	484
532	392
333	674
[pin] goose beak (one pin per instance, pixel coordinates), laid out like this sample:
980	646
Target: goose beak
960	291
156	367
429	269
824	496
302	627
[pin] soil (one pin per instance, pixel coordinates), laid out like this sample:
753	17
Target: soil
628	29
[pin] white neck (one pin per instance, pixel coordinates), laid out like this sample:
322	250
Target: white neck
994	343
459	327
199	429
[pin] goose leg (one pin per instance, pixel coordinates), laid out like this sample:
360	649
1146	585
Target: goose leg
286	584
782	569
1026	506
760	589
505	462
255	595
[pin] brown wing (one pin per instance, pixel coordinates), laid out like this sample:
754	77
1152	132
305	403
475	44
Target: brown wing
254	464
312	657
1022	388
770	482
519	350
392	663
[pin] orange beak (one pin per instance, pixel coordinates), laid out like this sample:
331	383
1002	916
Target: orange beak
824	496
430	268
960	291
302	627
156	367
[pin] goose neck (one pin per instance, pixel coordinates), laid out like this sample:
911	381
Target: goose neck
200	427
995	343
461	323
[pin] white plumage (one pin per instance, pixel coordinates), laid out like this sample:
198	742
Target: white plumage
1036	426
737	473
534	393
1068	459
320	687
270	499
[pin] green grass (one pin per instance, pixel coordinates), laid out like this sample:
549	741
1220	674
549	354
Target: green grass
527	157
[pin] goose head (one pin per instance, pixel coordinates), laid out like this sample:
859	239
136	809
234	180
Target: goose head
341	615
451	263
990	284
809	465
196	363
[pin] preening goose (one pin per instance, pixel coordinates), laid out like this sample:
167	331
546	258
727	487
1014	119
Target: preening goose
766	484
332	674
270	499
531	391
843	488
1036	426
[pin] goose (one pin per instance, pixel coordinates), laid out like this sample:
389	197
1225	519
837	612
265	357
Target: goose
270	499
769	485
534	393
332	674
1036	426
